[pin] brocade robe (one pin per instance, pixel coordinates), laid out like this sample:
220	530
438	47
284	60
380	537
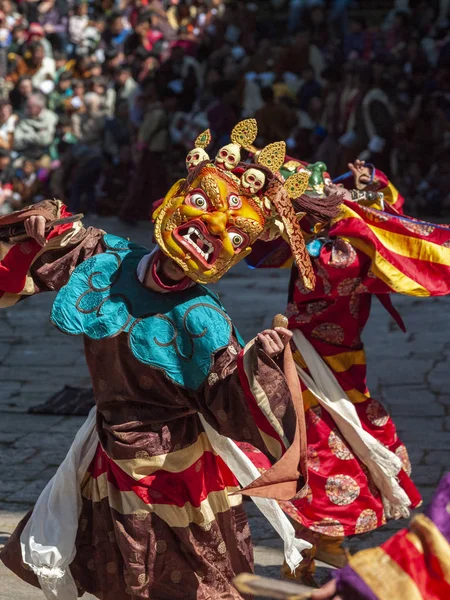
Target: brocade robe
161	515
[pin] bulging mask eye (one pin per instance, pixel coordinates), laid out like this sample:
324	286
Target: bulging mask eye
234	201
198	201
237	239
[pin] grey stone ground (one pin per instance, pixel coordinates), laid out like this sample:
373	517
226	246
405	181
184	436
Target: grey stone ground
409	373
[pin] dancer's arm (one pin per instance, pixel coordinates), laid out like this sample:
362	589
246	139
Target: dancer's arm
46	257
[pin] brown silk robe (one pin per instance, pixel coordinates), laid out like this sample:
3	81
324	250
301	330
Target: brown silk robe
161	518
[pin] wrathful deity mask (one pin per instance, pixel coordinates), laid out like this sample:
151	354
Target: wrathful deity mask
208	222
209	227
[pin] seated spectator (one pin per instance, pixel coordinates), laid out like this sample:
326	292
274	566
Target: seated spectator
18	39
117	31
36	35
26	184
89	126
35	132
6	200
34	65
78	21
57	100
310	88
125	85
8	122
275	120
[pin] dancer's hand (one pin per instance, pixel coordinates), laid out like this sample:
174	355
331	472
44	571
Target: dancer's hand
274	341
35	228
361	173
326	592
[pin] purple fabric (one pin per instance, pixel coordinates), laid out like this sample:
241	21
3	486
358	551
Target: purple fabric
351	586
437	511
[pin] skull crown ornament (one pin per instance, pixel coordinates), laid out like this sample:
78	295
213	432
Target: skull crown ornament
210	220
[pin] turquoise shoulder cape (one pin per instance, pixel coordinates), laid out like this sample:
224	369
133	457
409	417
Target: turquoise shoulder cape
178	333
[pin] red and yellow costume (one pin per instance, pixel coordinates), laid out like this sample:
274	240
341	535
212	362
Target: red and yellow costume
360	253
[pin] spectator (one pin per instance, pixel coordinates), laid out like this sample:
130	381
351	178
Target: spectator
35	65
150	181
8	122
275	120
35	132
89	126
125	85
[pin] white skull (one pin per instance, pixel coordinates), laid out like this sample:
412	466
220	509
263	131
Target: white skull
195	157
252	181
228	157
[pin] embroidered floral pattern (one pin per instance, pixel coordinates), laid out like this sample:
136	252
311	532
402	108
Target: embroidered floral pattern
330	333
338	447
313	459
328	526
376	414
342	254
402	453
341	489
366	521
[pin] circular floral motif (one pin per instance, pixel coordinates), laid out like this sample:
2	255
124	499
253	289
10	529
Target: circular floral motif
330	333
175	576
366	521
306	493
111	567
102	385
342	254
376	414
317	307
338	447
142	454
313	459
198	465
341	489
291	310
161	546
420	228
91	565
142	578
145	382
303	318
232	350
301	288
402	453
213	378
246	433
348	286
328	526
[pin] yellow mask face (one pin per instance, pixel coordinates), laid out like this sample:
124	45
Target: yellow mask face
209	227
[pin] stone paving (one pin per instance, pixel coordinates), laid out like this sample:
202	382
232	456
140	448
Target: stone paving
408	372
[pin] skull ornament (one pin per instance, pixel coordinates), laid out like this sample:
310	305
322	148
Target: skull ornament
252	181
195	157
228	157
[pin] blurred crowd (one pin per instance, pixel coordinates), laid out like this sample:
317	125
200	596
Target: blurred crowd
100	100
